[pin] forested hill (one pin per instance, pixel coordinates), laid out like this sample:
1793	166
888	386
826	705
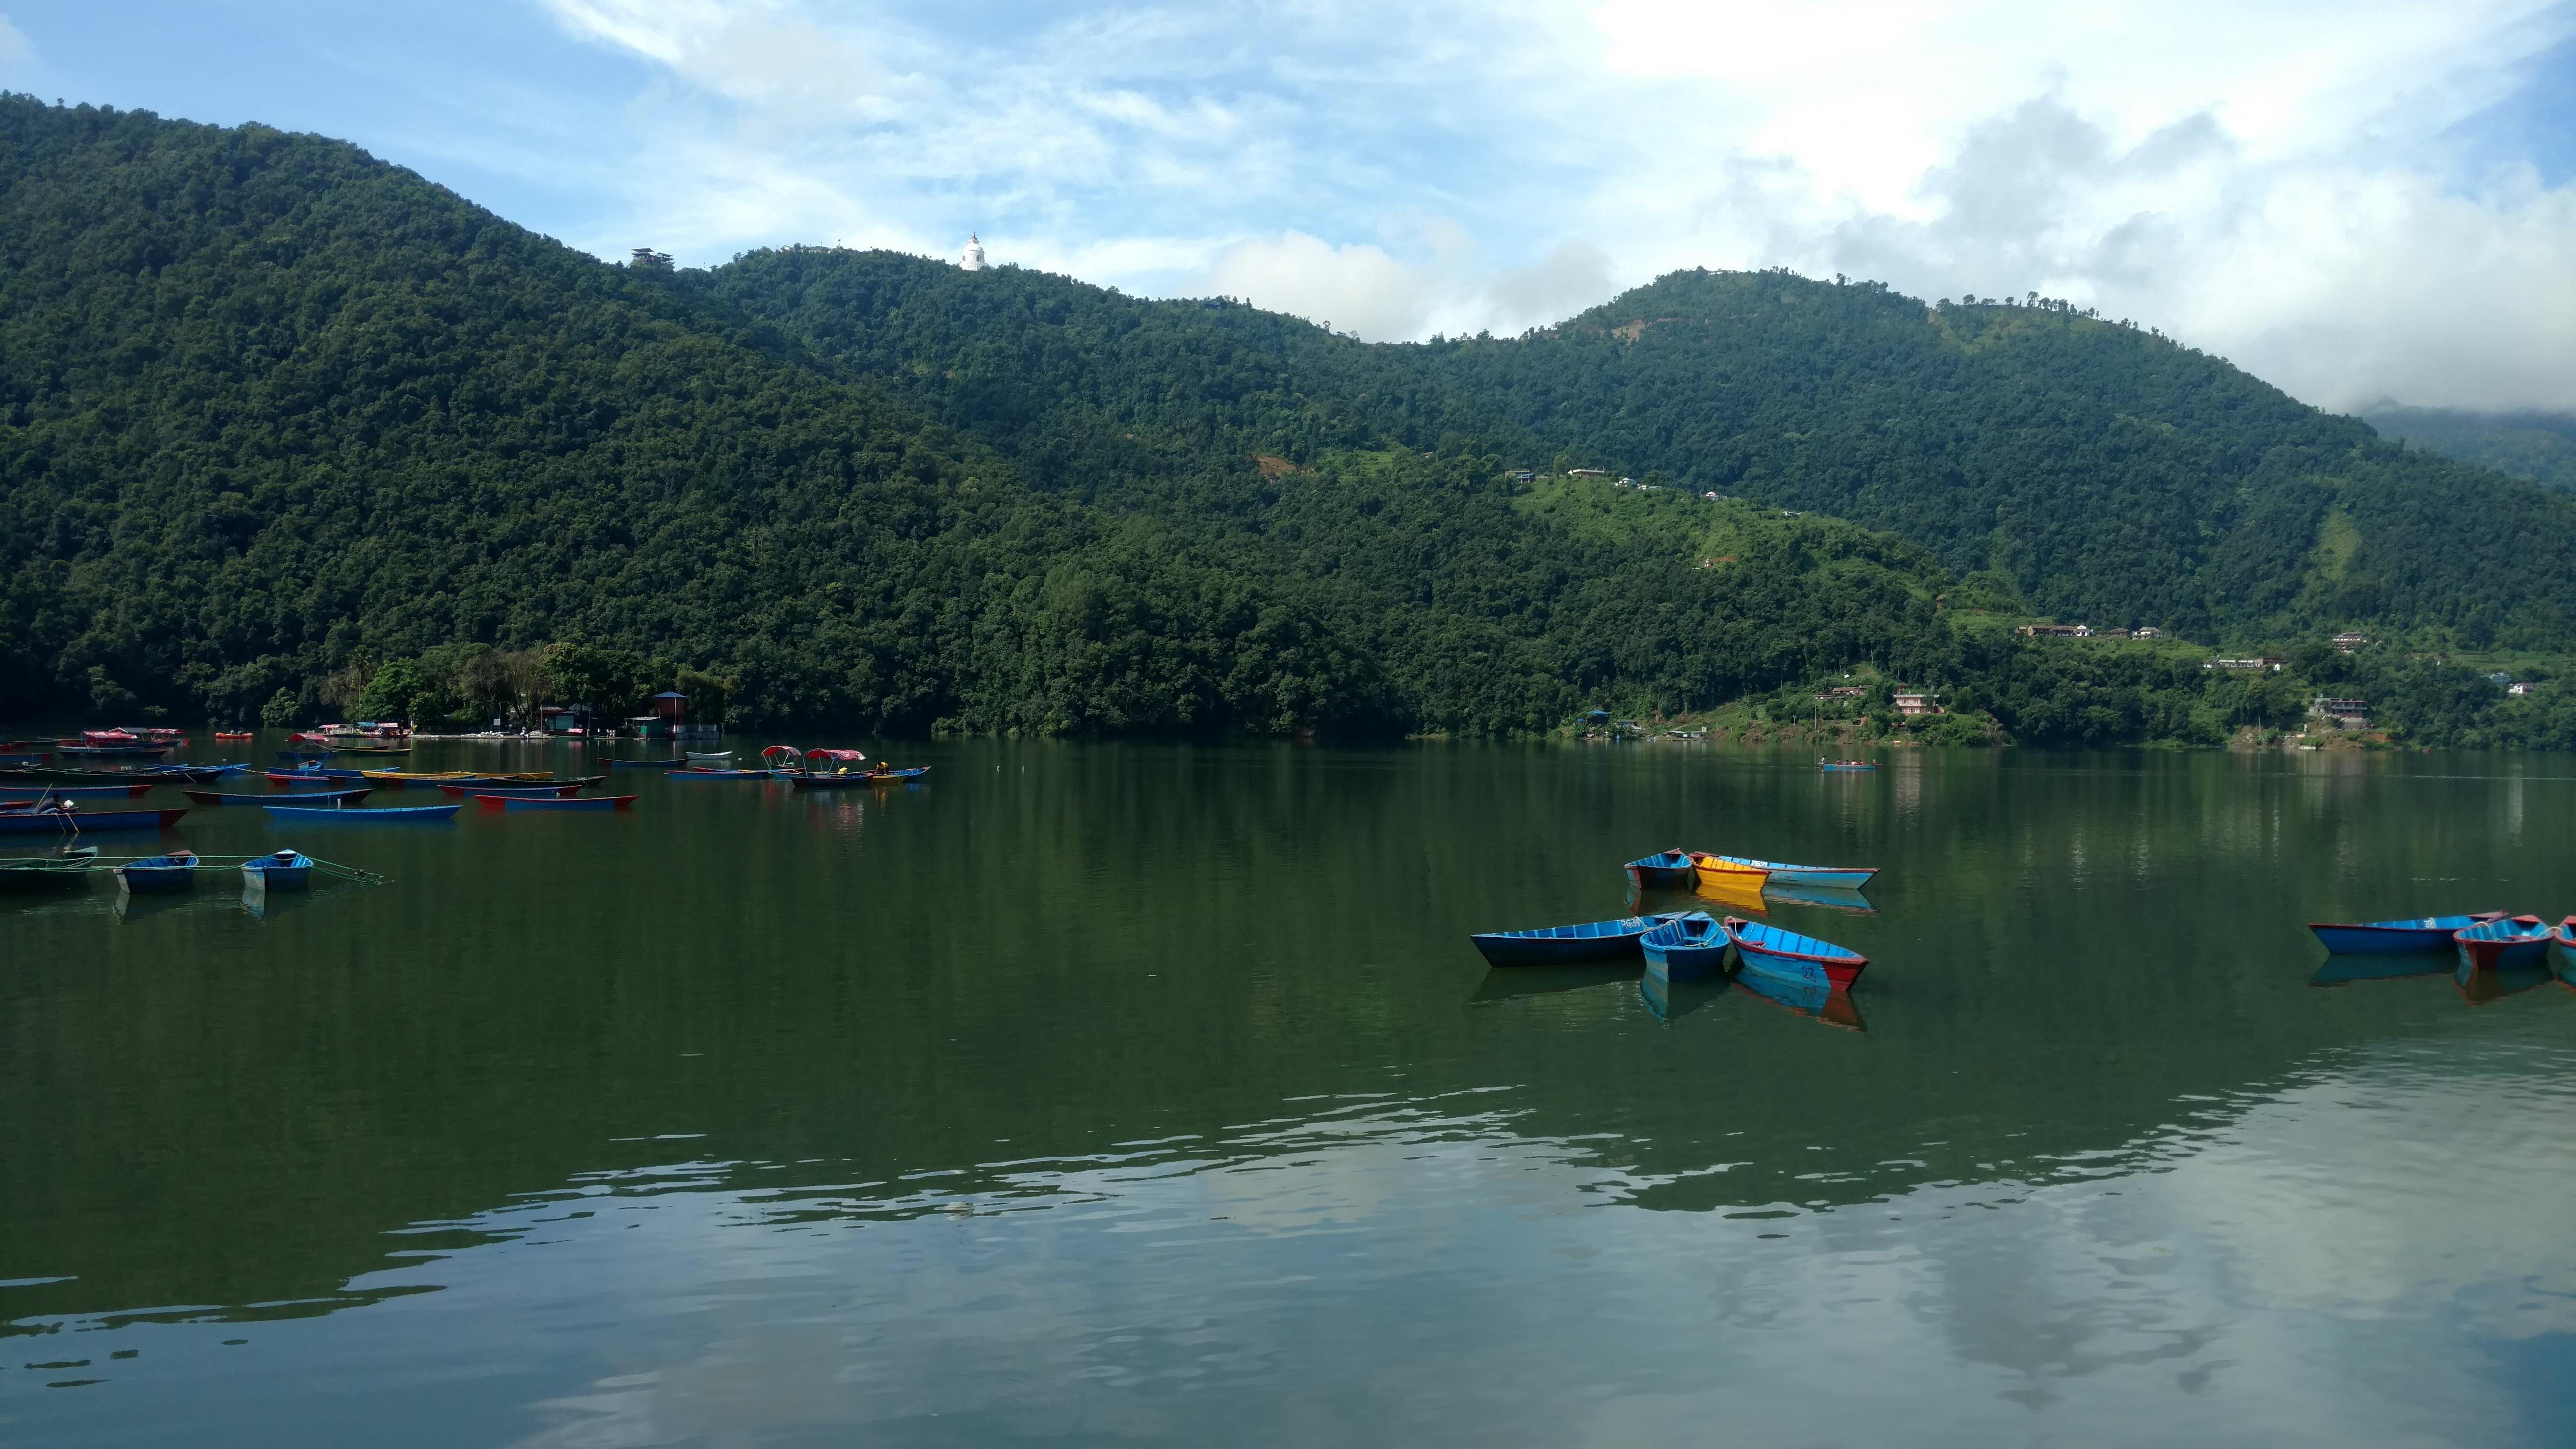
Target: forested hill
2112	475
279	421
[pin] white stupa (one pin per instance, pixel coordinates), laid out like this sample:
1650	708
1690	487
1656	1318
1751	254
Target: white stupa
973	261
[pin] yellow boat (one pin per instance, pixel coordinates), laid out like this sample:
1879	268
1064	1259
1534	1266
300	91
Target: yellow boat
1717	872
1737	892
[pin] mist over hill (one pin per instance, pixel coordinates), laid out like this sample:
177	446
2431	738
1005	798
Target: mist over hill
2537	446
274	414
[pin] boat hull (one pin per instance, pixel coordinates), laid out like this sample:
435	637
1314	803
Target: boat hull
1790	956
156	877
57	872
86	822
2392	938
721	775
1663	870
219	797
77	792
539	802
1685	949
388	815
530	792
1717	873
2509	945
313	777
268	873
1833	877
1567	945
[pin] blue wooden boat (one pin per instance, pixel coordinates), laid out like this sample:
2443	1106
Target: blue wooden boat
458	791
1686	947
1850	878
311	797
71	868
280	870
2390	938
809	780
389	815
43	793
2510	944
193	774
541	802
1567	945
1851	765
2566	936
1665	868
1778	952
700	773
173	872
672	763
85	822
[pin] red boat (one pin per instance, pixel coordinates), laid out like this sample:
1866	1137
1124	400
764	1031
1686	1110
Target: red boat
235	735
84	822
2503	945
1786	953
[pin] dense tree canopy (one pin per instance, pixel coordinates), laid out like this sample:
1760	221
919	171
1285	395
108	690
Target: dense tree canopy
285	430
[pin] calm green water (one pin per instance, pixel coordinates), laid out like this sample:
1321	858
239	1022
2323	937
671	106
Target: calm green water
1097	1094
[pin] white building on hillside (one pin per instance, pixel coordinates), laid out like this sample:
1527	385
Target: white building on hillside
973	260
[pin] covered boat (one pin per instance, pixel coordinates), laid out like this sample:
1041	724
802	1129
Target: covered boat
1770	949
1685	947
2507	944
47	872
310	797
1663	868
1843	877
540	802
173	872
279	870
1568	945
2389	938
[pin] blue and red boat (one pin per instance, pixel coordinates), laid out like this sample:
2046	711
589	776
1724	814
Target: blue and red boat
2390	938
1663	869
278	870
310	797
85	822
2510	944
389	815
1779	952
173	872
1568	945
490	801
80	792
1685	947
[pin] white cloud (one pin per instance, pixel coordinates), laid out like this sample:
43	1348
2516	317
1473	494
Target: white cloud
17	52
2285	185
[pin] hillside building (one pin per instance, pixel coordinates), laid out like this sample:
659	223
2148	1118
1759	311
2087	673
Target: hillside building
972	260
2346	714
1916	703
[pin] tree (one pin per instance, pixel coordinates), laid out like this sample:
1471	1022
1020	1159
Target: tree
394	692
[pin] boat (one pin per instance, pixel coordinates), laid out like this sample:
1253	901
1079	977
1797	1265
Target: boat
2566	937
45	872
279	870
398	779
79	792
312	775
1718	871
173	872
1831	765
2389	938
235	736
85	822
695	773
526	802
193	774
1777	952
1565	945
384	815
709	757
1686	947
1844	877
455	790
1663	868
114	752
857	777
2505	944
672	763
783	760
226	797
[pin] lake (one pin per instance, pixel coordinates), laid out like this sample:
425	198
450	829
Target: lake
1108	1094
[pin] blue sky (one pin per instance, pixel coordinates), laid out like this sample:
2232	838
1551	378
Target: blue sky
2367	199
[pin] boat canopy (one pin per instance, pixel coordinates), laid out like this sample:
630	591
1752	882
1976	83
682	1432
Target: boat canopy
852	756
774	751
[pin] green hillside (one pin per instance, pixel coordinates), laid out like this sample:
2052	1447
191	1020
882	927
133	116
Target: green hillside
2540	446
278	420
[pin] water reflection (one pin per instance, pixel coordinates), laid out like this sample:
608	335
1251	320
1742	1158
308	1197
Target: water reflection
2485	988
1816	998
